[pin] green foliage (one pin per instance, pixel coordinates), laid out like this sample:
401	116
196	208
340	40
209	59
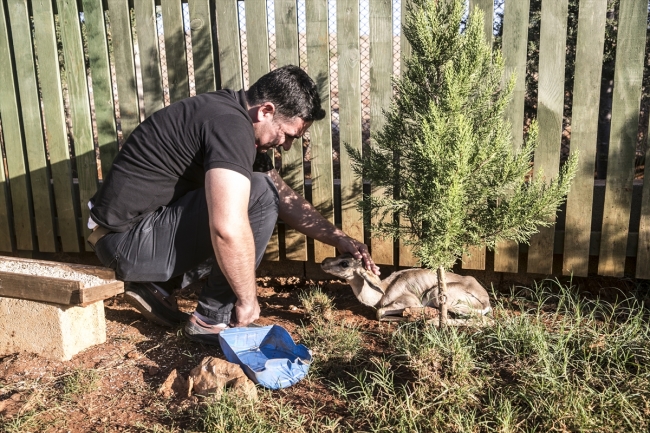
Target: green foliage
445	158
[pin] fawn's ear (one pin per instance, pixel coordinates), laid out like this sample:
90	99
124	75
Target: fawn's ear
373	280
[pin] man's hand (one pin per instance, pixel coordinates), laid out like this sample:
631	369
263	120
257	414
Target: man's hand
359	251
245	314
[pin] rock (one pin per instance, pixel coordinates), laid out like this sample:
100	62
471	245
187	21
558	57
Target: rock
213	375
175	384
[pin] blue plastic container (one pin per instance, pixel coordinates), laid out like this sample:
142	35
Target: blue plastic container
268	355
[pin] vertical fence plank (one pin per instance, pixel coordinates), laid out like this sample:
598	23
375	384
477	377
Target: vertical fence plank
381	91
202	48
5	223
228	45
475	256
257	35
347	41
127	90
286	28
552	56
584	129
102	84
33	128
406	256
628	76
54	116
79	106
322	175
146	27
13	140
514	45
177	75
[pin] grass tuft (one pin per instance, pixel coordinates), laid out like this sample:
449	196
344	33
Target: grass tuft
318	306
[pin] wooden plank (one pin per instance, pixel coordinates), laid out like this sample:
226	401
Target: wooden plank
552	54
36	288
101	83
475	256
229	49
514	47
322	174
349	68
258	65
84	148
177	75
5	223
381	92
628	76
33	128
145	23
89	295
258	39
56	130
584	129
406	256
127	89
202	47
286	27
13	141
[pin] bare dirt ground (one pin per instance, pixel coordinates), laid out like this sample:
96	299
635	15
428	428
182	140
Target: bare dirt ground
113	386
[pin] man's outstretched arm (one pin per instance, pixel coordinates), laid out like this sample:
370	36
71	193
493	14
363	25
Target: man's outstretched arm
227	194
302	216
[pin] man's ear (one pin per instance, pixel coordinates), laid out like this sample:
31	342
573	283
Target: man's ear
370	278
266	111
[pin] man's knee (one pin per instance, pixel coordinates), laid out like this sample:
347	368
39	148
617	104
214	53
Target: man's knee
263	193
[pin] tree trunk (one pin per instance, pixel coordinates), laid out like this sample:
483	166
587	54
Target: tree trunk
442	296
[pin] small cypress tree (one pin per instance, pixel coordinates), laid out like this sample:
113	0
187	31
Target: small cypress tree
444	159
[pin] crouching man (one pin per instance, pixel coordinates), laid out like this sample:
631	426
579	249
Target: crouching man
192	184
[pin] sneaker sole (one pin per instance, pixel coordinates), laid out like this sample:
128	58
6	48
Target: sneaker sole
204	338
137	302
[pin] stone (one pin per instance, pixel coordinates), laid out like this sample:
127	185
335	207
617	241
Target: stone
212	375
175	384
53	331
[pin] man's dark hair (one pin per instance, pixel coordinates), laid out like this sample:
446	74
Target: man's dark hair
291	90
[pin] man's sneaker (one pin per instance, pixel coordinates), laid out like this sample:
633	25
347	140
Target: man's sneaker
199	331
152	304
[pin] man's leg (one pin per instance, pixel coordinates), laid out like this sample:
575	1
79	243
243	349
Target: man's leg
217	299
176	239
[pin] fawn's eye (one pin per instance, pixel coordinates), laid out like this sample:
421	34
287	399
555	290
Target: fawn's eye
344	264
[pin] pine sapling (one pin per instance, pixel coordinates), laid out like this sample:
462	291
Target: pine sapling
444	160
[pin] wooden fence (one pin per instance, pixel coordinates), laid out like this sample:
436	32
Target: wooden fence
73	87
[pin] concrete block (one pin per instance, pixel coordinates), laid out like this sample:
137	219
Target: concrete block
53	331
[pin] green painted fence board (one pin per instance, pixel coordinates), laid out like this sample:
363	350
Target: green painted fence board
228	45
258	39
514	46
628	76
32	126
177	75
54	116
552	54
475	257
127	90
381	91
84	148
286	43
202	48
322	175
349	70
257	36
406	256
5	223
102	85
13	141
146	27
584	130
